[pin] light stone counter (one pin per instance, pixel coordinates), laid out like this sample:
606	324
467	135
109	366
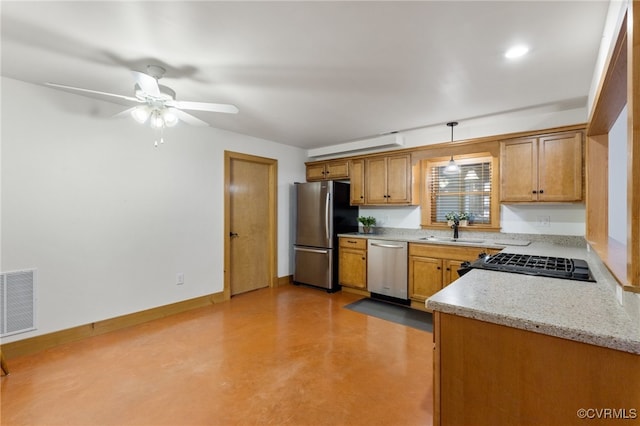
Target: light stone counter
575	310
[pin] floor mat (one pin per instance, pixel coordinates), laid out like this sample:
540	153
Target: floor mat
394	313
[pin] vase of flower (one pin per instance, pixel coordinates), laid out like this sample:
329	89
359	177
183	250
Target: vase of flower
464	218
367	223
451	218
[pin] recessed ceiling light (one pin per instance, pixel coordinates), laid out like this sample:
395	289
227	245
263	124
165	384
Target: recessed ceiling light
516	52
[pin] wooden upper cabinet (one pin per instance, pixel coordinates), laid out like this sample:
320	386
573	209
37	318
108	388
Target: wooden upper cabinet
356	176
388	180
328	170
560	167
544	168
375	180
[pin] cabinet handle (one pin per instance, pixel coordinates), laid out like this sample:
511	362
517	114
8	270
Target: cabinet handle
541	191
439	268
362	196
534	192
448	269
352	242
364	258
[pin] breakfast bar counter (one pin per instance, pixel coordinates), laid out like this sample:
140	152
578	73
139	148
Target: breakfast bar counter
587	312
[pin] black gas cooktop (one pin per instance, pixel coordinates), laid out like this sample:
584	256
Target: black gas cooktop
544	266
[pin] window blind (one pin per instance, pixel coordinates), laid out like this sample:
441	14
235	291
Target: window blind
468	190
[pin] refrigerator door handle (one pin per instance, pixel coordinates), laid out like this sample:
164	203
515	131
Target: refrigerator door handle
326	216
311	250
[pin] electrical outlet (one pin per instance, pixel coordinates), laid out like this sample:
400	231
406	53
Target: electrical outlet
544	221
180	278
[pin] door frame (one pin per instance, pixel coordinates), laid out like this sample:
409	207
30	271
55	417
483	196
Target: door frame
272	213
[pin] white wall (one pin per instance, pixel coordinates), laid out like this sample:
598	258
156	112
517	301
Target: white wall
612	25
617	182
107	219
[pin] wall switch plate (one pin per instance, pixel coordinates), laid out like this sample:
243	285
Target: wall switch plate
180	278
544	221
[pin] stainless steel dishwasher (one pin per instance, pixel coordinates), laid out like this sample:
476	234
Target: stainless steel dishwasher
387	264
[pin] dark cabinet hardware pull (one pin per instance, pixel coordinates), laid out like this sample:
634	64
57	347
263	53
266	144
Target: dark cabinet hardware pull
233	234
534	192
541	191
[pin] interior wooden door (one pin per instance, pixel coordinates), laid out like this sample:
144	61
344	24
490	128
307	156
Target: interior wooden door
250	229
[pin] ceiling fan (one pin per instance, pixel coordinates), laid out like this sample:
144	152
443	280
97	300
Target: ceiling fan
158	102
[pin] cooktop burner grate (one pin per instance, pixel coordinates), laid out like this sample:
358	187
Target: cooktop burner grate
546	263
546	266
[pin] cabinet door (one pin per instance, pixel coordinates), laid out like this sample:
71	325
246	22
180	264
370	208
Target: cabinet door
353	268
315	172
425	277
518	170
399	179
450	271
356	176
560	167
337	170
375	180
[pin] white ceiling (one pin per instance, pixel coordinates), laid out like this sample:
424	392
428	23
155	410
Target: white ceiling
312	74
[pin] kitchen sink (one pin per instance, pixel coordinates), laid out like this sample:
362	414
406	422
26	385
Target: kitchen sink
452	240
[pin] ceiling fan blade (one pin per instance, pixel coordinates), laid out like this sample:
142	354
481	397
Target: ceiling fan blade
147	83
97	92
125	113
204	106
190	119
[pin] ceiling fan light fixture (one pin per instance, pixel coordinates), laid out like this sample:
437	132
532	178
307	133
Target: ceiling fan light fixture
157	122
141	113
170	117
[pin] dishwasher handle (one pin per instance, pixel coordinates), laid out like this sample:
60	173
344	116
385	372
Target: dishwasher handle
386	245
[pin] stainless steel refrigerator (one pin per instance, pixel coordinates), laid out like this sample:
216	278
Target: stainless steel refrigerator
322	212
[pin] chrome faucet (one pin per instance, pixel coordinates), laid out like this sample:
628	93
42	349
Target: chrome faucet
455	225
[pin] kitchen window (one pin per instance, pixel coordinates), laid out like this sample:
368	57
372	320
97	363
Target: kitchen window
472	190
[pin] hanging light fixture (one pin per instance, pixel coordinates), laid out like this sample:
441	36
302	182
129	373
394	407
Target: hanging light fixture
452	167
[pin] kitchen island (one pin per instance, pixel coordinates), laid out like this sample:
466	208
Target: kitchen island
520	349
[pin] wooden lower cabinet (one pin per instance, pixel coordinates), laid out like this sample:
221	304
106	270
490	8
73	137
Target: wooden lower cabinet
489	374
352	265
432	267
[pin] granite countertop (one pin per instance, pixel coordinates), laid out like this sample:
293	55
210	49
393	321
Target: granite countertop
441	239
587	312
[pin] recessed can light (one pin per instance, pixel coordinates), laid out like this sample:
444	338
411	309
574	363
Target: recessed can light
516	52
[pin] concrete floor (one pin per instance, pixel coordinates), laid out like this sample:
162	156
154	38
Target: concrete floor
285	356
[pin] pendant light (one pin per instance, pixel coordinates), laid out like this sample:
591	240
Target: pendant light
452	167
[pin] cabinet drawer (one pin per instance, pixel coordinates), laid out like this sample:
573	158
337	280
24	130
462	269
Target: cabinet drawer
354	243
448	252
